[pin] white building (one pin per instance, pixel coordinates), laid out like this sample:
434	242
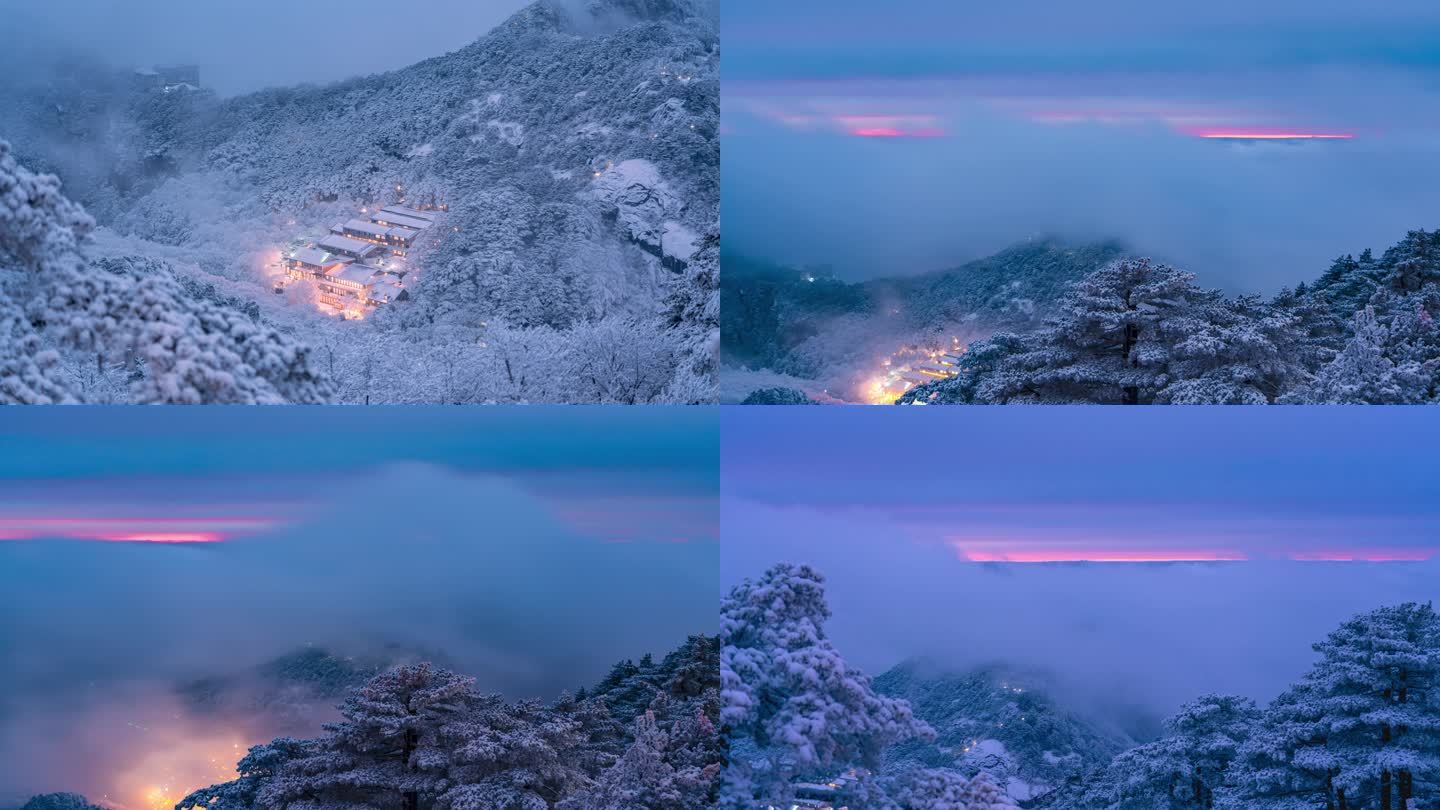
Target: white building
347	246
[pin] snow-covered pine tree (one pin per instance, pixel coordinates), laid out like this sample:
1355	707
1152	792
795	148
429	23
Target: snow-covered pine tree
1184	769
1413	263
1204	737
600	738
511	756
642	779
1285	764
1110	340
1377	677
1363	373
1349	282
1361	731
392	750
256	768
1233	352
787	691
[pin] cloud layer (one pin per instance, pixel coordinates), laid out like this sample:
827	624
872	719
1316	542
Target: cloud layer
889	143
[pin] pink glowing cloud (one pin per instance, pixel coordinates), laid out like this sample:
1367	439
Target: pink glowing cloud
1058	555
133	529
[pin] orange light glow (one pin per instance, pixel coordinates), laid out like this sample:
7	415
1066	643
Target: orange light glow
174	763
906	367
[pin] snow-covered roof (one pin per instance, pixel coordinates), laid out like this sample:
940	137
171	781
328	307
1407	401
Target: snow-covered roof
361	226
406	211
317	258
344	244
354	273
386	290
392	218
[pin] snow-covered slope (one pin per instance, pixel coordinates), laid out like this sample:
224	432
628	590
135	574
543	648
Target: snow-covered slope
1000	722
575	146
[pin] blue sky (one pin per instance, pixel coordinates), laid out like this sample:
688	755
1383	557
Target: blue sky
915	135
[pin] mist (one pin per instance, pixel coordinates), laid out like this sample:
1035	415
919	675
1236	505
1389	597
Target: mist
890	143
246	46
1279	515
418	562
1150	635
154	564
1246	218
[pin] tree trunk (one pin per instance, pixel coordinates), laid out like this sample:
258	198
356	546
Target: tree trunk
1132	336
1340	794
1407	789
411	798
1385	790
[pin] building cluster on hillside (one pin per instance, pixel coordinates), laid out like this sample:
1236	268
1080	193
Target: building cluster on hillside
168	78
824	795
941	366
361	263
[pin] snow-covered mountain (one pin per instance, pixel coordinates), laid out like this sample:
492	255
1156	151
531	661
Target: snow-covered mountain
1046	324
1002	722
575	148
825	333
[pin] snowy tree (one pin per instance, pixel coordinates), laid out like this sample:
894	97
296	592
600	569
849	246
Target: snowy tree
1185	768
40	235
1234	352
392	750
1362	730
642	779
1349	283
256	768
787	690
1112	340
1363	373
1414	262
59	801
511	756
944	789
599	737
1205	736
191	351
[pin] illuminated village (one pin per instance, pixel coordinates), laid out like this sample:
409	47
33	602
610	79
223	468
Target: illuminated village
911	366
361	263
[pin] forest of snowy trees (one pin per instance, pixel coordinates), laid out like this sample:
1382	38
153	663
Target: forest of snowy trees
1359	731
576	147
1138	332
793	709
418	737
